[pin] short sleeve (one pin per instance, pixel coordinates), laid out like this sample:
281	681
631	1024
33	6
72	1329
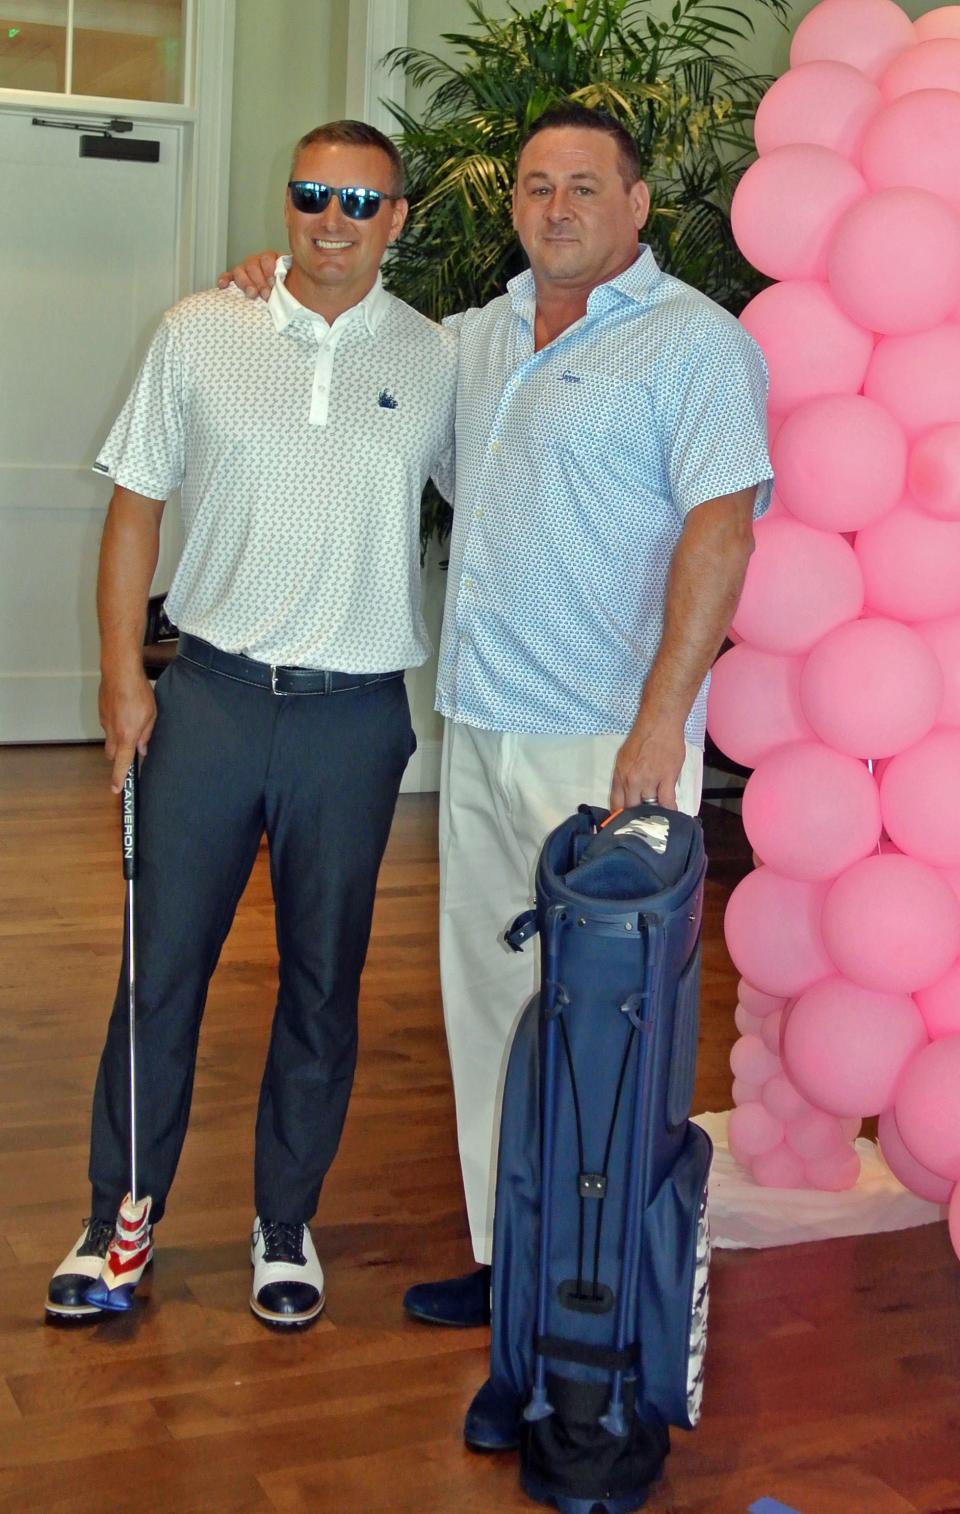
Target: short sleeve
145	449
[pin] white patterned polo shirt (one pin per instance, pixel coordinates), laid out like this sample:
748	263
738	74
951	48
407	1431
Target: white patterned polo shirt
301	451
576	467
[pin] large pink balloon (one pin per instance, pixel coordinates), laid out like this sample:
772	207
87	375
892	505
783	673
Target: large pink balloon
772	927
758	1003
906	1168
752	1130
914	285
890	923
800	584
954	1218
840	462
930	65
940	1004
933	474
826	103
870	688
943	639
811	347
845	1046
928	1107
787	205
917	378
942	22
865	33
918	800
913	141
910	563
810	812
754	703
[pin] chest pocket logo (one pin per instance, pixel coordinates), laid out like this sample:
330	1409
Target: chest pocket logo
386	400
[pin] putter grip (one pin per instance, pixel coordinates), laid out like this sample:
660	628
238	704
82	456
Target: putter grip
128	820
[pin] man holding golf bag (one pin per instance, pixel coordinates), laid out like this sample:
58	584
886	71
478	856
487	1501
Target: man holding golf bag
301	433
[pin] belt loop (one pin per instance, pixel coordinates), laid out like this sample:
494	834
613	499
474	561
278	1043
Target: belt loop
328	683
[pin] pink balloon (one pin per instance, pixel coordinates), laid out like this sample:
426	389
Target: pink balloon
940	1004
752	1131
780	1168
810	811
815	1135
786	206
845	1046
913	141
917	378
851	1126
827	103
745	1093
943	639
800	584
933	64
910	563
810	346
769	1032
870	688
953	1217
772	927
757	1003
928	1107
942	22
783	1100
868	34
754	703
914	285
889	923
747	1025
951	875
840	462
911	1173
750	1060
933	475
918	801
834	1173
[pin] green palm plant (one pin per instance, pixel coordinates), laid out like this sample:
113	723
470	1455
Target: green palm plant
676	81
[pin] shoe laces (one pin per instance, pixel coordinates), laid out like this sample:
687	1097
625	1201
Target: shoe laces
283	1241
99	1234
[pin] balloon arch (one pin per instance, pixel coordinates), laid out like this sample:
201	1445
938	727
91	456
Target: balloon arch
843	689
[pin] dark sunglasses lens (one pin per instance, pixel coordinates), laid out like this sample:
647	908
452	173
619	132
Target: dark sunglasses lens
360	204
310	198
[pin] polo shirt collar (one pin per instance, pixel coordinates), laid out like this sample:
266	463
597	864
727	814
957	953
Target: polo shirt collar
634	284
285	308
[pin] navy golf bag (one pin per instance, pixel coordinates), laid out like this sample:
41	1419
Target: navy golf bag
601	1247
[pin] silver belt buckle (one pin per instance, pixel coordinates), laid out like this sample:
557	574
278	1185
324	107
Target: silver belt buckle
273	680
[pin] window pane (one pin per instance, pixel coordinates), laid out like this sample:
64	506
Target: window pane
128	49
33	41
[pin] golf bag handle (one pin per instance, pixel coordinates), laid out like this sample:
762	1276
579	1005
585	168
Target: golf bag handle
128	820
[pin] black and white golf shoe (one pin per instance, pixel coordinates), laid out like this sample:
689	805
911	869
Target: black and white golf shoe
80	1268
287	1288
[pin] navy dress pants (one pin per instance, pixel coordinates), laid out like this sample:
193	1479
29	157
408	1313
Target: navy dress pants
228	761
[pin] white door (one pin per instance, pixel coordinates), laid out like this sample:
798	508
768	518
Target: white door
89	255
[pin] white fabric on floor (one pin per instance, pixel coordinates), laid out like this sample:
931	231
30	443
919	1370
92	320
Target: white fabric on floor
744	1214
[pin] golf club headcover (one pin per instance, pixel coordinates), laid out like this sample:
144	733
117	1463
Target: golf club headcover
127	1256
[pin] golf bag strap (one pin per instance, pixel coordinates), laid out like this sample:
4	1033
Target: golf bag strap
523	927
583	1355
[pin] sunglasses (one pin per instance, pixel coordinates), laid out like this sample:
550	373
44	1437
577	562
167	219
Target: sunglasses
356	204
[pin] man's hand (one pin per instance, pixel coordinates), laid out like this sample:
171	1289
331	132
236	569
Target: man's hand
254	275
648	767
128	713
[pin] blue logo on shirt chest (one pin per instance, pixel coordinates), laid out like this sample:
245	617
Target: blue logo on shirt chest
386	400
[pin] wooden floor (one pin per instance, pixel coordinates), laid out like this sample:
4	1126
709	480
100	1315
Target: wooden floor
832	1379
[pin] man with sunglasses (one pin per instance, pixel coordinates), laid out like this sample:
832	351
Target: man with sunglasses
301	433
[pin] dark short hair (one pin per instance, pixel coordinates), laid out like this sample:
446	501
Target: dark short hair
355	134
582	116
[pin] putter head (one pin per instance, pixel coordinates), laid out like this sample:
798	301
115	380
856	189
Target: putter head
127	1258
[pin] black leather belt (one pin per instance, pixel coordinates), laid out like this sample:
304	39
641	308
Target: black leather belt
266	675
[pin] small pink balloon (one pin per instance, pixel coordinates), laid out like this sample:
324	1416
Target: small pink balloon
950	875
780	1168
933	474
800	584
889	923
943	639
811	811
769	1033
868	34
914	285
787	205
783	1100
910	564
940	1004
845	1046
757	1003
928	1107
754	703
746	1024
913	141
932	64
752	1131
745	1093
917	378
810	346
840	462
772	927
834	1173
750	1060
918	802
953	1217
870	689
851	1125
830	104
814	1134
905	1168
942	22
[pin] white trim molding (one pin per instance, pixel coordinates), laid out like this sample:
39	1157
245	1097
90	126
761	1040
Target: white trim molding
375	26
